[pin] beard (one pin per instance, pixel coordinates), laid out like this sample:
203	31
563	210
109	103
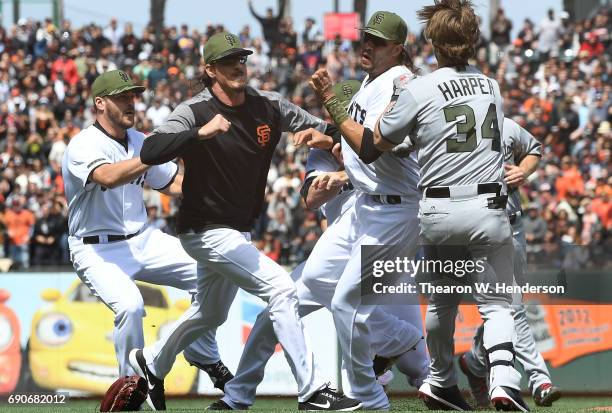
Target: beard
117	117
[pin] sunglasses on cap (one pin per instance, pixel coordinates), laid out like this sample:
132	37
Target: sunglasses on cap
232	60
376	41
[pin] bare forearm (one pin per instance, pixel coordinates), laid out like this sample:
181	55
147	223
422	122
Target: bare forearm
317	197
175	189
529	164
352	133
116	174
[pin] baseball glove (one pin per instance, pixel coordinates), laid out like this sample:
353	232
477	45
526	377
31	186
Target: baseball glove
125	394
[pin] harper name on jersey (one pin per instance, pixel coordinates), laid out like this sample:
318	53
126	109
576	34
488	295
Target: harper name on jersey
468	86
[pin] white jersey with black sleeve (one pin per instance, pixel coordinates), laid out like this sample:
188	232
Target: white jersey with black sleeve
389	174
97	210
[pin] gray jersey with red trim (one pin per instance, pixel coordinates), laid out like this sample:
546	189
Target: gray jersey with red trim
518	143
451	117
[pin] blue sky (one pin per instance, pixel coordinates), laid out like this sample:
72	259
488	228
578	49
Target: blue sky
234	14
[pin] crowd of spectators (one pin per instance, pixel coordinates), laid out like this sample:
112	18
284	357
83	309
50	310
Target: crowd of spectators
555	77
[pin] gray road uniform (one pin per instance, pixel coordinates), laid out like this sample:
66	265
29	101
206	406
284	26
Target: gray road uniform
518	143
451	117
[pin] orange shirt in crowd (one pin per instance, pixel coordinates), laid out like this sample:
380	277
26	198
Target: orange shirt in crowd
569	181
603	209
547	106
18	225
68	68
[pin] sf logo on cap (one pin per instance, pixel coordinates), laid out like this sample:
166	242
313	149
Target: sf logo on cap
231	40
124	76
379	18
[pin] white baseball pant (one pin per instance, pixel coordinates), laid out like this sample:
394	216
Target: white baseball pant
333	275
109	270
228	260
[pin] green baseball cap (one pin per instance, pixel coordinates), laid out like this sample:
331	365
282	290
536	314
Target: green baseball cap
345	90
387	25
222	45
113	83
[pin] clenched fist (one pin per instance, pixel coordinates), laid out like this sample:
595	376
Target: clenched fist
321	83
215	126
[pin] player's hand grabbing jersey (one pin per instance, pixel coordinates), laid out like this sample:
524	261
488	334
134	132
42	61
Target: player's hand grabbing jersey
319	162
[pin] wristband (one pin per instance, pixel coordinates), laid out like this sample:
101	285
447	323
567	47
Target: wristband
336	110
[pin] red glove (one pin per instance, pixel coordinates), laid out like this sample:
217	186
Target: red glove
125	394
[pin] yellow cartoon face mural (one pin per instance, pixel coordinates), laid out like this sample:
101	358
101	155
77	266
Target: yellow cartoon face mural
71	341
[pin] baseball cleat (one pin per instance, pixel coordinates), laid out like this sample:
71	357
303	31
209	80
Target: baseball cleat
478	385
508	399
329	399
440	398
219	374
546	394
156	398
220	405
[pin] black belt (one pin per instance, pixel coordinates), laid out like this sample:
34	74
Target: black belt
514	216
96	239
388	199
444	191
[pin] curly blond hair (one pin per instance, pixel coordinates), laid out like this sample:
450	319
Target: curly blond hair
452	27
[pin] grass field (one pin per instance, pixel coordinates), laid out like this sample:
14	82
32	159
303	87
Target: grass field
405	404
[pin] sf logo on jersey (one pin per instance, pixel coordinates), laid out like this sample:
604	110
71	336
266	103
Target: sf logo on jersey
357	113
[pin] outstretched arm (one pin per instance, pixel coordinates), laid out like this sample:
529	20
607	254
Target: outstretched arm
254	13
112	175
324	187
163	147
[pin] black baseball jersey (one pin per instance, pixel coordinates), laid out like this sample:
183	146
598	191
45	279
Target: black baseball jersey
225	177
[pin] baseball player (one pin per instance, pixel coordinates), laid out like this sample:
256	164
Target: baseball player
328	187
451	117
226	136
522	154
110	244
384	212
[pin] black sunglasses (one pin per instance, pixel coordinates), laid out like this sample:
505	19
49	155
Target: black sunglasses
377	41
